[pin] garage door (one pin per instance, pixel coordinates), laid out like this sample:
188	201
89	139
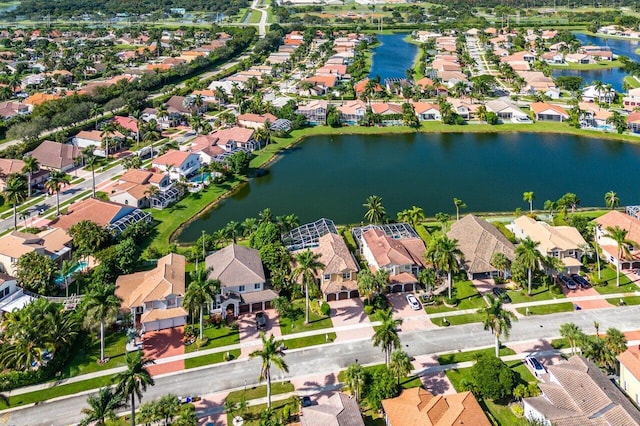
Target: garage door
256	307
331	297
343	295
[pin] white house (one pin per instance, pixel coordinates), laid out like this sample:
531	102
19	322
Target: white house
179	164
592	94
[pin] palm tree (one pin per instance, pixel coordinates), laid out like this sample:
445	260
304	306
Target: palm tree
134	380
611	200
459	205
102	407
501	262
201	291
235	229
619	235
307	265
527	253
355	379
270	354
66	269
30	167
108	130
15	192
400	364
550	206
445	253
101	305
615	341
375	209
90	161
168	407
57	180
386	336
498	320
151	134
529	197
266	216
573	334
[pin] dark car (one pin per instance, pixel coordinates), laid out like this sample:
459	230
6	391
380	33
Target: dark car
580	280
501	294
568	282
306	401
261	321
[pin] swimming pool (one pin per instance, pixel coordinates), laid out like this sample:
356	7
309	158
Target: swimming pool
200	178
77	267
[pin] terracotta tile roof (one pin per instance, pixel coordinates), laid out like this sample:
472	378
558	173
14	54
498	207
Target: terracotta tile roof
615	218
631	360
168	278
40	98
419	407
420	107
16	244
56	155
385	108
338	410
128	123
540	107
55	239
360	86
257	118
235	265
161	314
173	157
550	237
93	209
236	134
9	165
388	251
136	176
633	117
324	80
424	82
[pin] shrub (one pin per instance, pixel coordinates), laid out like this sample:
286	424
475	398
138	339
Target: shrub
368	309
517	410
451	301
190	330
325	309
199	343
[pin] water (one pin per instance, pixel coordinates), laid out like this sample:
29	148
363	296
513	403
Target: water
332	176
614	76
200	177
393	56
78	267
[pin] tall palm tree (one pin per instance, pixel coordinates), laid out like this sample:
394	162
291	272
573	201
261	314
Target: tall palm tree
30	167
102	407
235	229
573	334
355	379
270	355
307	265
90	160
459	205
386	336
151	134
66	270
611	200
445	254
498	320
134	380
15	192
101	305
527	253
619	235
400	364
529	196
375	209
108	131
57	180
201	291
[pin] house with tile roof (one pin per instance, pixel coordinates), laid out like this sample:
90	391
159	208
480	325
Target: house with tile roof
113	216
315	112
242	281
427	111
632	100
155	297
352	112
57	156
55	243
234	138
578	393
479	240
95	138
177	164
549	112
133	188
629	372
9	166
633	122
338	410
563	242
419	407
256	121
609	247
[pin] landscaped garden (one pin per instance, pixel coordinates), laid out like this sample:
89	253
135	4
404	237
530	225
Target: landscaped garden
465	295
608	282
294	322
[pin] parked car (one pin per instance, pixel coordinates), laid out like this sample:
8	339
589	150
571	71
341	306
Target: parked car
568	282
306	401
261	320
413	302
536	367
581	281
500	293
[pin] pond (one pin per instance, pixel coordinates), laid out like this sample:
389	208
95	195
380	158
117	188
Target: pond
332	176
393	56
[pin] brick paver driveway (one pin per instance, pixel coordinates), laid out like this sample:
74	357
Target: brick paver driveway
163	344
249	333
350	313
411	320
586	304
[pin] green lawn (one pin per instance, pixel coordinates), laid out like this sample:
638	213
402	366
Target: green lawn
316	322
471	355
302	342
210	359
466	294
602	65
256	392
632	82
86	360
458	319
547	309
537	294
218	336
631	300
255	17
252	414
609	286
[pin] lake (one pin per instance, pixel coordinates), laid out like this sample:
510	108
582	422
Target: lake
393	56
332	176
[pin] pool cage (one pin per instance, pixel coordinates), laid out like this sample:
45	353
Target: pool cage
633	211
165	198
308	235
123	223
395	231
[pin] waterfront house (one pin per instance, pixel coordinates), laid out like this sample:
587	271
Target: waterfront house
577	58
629	222
133	188
57	156
352	112
631	102
177	164
256	121
593	115
549	112
315	112
427	111
207	148
155	297
234	138
593	94
633	122
390	114
54	243
505	109
115	217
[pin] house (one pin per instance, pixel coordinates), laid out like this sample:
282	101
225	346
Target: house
419	407
352	112
57	156
549	112
338	410
577	58
155	297
95	138
395	248
338	278
179	107
427	111
563	242
361	86
577	392
38	99
628	222
315	112
593	94
593	115
55	243
9	166
390	114
234	138
133	188
256	121
632	100
12	109
207	148
242	281
633	122
479	240
505	110
126	123
629	372
177	164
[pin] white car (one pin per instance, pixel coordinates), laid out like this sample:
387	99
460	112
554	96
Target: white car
413	302
536	367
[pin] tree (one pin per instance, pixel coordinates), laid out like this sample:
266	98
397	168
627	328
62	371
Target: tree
36	272
101	306
445	253
15	192
568	200
355	379
400	364
501	262
619	121
307	266
529	197
615	341
201	291
459	205
90	160
492	378
443	218
168	406
88	237
498	320
573	334
611	200
619	235
528	255
383	386
234	228
66	270
375	209
270	354
550	206
134	380
57	180
386	336
102	407
30	167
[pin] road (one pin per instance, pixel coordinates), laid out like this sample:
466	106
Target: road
332	358
262	25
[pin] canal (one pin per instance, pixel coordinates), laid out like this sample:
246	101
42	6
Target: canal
393	57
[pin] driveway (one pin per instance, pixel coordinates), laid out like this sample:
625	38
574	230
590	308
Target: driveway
249	333
435	382
163	344
349	317
484	286
411	320
586	304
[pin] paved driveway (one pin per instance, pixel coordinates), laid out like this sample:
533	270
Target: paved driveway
163	344
349	314
435	382
249	333
586	304
411	320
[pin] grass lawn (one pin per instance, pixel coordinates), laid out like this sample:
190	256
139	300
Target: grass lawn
316	322
256	392
561	343
631	300
466	294
252	414
602	65
86	360
255	17
218	336
210	359
302	342
458	319
471	355
537	294
634	83
609	286
547	309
